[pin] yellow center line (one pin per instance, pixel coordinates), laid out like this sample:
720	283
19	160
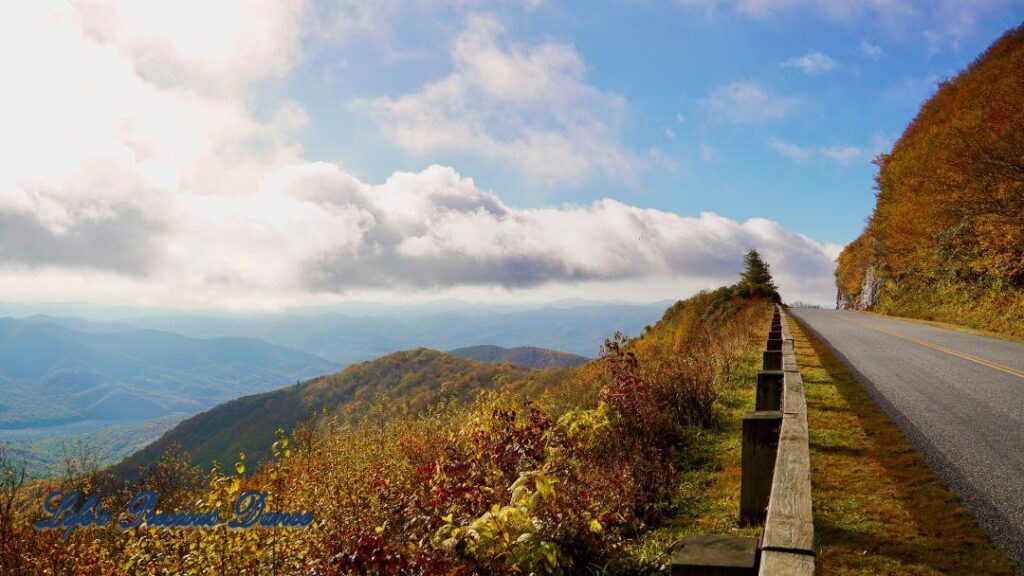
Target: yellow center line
951	352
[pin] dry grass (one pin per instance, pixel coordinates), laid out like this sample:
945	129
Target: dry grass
948	326
707	498
879	508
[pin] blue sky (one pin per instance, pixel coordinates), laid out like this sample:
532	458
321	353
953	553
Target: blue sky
664	59
273	154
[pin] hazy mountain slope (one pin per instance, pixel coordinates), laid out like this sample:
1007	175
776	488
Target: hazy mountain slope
946	238
418	378
80	324
522	356
42	452
49	373
347	338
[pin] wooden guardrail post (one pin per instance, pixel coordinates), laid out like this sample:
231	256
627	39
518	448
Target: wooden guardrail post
771	360
769	390
760	444
716	556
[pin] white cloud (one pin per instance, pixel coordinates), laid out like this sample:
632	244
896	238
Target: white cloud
709	6
881	143
312	228
791	151
840	153
708	153
345	20
746	102
315	229
165	188
872	51
525	107
940	23
100	127
812	63
223	44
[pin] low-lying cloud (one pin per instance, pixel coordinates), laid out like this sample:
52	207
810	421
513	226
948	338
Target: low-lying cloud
129	173
314	228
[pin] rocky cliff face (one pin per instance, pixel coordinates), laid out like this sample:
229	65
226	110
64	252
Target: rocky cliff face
871	289
867	297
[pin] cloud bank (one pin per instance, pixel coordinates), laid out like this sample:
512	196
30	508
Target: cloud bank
137	165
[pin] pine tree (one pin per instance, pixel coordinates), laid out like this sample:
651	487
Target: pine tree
756	278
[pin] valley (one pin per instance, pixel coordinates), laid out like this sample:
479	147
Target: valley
118	385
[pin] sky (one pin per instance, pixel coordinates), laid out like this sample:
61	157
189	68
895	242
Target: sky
266	155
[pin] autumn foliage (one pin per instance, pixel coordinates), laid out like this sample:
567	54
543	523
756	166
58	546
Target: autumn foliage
517	481
947	232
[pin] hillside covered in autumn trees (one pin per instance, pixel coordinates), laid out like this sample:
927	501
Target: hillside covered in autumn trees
413	380
946	238
491	469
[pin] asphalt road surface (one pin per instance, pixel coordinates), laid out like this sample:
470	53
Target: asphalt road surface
957	396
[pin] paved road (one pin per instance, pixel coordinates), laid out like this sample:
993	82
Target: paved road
958	397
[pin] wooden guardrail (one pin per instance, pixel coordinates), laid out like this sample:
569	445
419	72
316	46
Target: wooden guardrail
787	546
775	478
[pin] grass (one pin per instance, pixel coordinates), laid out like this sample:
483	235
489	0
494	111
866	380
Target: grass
948	326
707	498
992	310
878	507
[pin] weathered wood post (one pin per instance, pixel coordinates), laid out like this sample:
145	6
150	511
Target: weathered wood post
774	344
715	556
760	444
769	390
771	360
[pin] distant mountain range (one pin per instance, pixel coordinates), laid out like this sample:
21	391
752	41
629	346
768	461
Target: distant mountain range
345	338
122	378
52	374
576	327
417	378
522	356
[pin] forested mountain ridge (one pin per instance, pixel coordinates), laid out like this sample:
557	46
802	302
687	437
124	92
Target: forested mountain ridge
946	238
415	379
522	356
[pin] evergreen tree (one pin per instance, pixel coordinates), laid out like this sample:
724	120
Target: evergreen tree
756	278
